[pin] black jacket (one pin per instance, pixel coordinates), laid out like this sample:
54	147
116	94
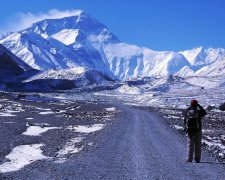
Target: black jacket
201	112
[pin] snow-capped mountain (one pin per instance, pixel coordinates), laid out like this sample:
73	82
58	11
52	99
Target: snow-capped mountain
82	41
61	43
206	62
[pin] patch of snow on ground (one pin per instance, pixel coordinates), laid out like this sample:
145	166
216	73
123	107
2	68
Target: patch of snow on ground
61	111
6	115
207	131
22	156
47	112
4	100
178	127
215	145
42	109
174	117
112	109
203	82
87	129
37	130
70	147
11	111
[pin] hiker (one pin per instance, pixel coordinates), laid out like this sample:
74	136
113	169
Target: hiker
193	129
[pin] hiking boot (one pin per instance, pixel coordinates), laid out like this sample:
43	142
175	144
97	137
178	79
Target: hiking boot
197	161
189	161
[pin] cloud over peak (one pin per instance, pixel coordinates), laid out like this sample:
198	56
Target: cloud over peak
24	20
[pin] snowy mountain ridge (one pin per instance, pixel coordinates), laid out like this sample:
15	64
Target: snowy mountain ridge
10	67
6	57
82	41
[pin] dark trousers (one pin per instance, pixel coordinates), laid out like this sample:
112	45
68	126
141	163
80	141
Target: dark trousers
194	143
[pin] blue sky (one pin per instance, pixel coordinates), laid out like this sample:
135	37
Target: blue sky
156	24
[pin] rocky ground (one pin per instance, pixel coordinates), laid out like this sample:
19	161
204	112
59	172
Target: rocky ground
48	127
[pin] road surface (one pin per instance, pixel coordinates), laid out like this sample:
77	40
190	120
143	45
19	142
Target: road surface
139	145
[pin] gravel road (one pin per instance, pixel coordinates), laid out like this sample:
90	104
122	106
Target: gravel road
138	145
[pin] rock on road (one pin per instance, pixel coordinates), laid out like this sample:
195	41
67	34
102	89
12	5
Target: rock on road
140	145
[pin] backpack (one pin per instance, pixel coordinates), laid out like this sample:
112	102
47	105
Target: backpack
192	120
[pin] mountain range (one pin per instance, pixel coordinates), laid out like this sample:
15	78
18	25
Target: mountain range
80	41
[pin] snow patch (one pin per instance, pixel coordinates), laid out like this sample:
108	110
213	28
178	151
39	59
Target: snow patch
87	129
22	156
213	144
42	109
70	147
29	118
177	127
7	115
61	111
47	112
37	130
112	109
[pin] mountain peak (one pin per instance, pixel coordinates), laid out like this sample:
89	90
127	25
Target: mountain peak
80	20
191	55
200	48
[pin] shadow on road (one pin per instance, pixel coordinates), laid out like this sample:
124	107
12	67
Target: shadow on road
207	162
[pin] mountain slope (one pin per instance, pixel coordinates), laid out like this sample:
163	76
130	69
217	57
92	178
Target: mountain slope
64	79
9	62
84	76
128	61
10	65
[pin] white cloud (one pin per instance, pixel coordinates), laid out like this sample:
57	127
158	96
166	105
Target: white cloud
23	20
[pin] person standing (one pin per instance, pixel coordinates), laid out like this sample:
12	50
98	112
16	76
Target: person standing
193	129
